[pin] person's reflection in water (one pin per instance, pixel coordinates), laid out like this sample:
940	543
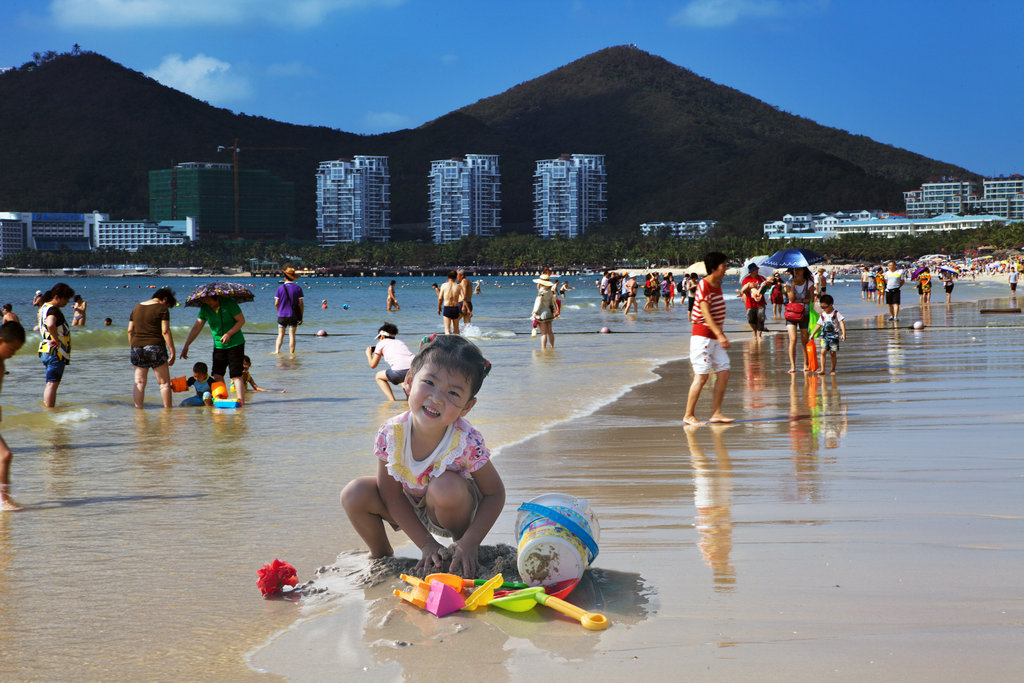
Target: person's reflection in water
803	438
712	495
833	413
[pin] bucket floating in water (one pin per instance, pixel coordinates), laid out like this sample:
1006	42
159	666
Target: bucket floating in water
557	536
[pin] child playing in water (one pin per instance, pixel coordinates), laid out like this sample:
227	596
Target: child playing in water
200	381
833	330
434	474
12	338
247	378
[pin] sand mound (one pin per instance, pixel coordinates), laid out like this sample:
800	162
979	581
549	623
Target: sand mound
353	570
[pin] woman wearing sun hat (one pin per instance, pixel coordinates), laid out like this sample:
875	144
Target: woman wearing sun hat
544	309
289	304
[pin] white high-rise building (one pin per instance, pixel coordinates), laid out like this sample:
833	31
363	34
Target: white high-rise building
465	197
569	195
353	200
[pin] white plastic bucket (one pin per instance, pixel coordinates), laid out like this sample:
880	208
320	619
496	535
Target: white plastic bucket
557	536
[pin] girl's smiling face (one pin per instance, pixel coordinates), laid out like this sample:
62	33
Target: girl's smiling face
437	396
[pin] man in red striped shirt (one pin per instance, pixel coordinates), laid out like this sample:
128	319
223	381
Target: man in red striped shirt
708	342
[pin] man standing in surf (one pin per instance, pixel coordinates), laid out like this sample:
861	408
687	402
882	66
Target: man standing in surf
708	343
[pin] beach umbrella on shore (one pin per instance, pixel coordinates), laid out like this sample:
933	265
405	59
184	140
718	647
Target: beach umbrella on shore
230	290
949	269
792	258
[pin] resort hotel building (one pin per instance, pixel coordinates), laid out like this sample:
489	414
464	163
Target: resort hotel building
87	231
999	197
687	230
814	225
353	200
569	195
465	197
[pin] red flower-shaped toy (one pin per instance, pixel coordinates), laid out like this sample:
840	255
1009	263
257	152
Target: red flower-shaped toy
275	576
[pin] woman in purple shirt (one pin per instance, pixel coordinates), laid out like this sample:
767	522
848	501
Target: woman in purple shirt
289	304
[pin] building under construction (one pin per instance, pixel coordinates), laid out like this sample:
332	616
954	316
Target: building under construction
266	204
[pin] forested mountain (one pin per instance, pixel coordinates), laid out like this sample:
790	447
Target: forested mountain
80	132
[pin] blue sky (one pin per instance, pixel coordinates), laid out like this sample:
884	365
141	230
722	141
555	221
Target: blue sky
938	77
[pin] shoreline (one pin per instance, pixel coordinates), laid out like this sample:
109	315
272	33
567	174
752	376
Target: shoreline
629	505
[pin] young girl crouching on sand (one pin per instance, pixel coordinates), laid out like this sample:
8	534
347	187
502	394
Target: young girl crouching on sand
434	474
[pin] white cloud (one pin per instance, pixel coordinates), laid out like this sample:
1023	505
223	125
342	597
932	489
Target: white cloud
177	13
202	77
385	121
718	13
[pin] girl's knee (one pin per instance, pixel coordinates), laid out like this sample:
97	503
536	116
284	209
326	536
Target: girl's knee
450	491
359	494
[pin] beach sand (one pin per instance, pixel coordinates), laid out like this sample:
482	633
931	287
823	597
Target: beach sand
866	525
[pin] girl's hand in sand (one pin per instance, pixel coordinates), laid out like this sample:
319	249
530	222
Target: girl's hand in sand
433	553
464	558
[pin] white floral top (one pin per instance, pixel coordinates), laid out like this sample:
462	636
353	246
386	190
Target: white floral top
461	450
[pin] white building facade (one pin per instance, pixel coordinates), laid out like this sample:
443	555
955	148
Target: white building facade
685	230
353	200
465	197
50	231
945	195
896	227
569	195
815	225
133	235
1002	196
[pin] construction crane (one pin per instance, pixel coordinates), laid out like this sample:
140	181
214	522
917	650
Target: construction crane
235	149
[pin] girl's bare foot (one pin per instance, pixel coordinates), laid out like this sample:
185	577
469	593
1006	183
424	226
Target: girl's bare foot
9	505
718	418
692	421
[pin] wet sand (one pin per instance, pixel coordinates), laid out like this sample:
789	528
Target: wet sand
867	524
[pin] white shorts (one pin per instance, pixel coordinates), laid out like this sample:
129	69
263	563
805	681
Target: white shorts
707	354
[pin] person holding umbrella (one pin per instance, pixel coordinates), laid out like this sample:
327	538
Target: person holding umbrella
218	305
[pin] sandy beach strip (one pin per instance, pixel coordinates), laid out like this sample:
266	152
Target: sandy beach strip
861	525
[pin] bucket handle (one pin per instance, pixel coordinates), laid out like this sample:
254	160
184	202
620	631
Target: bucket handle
561	519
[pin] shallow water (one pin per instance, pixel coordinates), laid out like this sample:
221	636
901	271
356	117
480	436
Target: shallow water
138	556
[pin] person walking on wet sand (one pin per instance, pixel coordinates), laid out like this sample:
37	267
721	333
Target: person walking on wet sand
708	343
893	282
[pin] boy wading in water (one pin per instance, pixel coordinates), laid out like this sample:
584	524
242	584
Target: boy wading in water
708	342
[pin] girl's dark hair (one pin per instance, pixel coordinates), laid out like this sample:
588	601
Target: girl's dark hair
167	295
454	353
390	328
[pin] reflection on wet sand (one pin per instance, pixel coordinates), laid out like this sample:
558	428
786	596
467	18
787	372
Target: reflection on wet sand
712	496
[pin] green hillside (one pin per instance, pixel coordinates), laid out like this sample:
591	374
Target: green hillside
81	132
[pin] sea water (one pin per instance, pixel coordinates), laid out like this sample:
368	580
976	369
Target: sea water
145	528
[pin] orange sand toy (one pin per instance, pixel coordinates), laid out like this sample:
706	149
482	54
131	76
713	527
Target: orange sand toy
219	390
419	593
179	384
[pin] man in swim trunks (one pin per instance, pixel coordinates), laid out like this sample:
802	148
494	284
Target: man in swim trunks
467	295
449	303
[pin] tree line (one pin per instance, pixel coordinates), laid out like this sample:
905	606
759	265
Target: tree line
600	249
